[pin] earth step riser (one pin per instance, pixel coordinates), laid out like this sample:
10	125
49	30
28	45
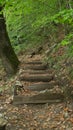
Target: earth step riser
36	67
37	78
44	97
42	86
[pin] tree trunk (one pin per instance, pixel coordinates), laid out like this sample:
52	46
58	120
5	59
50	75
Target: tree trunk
7	54
68	4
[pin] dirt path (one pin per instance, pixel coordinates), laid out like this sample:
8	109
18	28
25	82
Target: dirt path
34	85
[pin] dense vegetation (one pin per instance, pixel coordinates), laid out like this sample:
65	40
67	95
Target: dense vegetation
33	22
27	21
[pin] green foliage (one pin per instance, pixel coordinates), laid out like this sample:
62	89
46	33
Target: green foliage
67	39
30	23
27	21
64	17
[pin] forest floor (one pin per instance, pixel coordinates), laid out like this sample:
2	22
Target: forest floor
54	116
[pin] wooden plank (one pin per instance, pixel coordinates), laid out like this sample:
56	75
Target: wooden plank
36	78
37	102
36	67
42	86
44	97
37	71
34	62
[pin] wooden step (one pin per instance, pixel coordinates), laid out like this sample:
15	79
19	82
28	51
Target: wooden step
36	67
42	86
38	71
34	62
43	97
37	78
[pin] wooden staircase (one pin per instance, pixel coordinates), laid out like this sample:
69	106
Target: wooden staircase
42	85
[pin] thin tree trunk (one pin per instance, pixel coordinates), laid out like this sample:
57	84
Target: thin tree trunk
7	54
59	2
68	3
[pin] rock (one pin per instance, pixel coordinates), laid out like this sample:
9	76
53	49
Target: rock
18	83
17	86
3	123
65	114
32	54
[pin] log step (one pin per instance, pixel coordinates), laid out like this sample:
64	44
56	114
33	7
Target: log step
42	86
36	67
37	78
43	97
34	62
26	101
38	71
